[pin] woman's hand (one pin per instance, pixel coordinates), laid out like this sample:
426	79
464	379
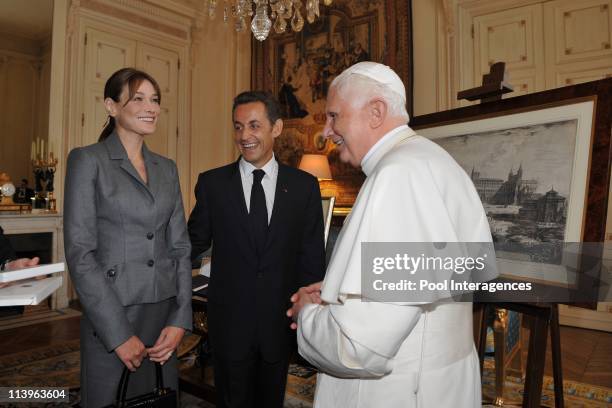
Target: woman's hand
131	352
168	341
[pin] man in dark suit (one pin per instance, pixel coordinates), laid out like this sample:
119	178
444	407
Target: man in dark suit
265	222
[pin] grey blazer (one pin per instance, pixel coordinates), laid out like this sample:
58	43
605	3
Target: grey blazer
126	242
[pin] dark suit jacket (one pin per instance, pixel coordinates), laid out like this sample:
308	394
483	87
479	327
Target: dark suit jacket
248	297
126	241
6	250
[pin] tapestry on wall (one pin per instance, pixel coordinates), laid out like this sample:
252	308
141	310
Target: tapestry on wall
298	68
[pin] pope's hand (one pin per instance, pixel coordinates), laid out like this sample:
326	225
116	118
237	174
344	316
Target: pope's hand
305	295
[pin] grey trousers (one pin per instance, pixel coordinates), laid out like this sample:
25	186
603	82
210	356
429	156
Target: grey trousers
101	370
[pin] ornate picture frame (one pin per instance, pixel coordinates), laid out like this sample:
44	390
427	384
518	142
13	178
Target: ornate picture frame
557	178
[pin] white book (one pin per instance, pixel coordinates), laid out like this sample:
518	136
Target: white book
29	292
31	272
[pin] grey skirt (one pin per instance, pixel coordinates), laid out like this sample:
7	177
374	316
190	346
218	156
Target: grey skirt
101	370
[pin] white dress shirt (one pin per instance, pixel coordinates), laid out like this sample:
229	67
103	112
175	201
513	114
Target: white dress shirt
268	182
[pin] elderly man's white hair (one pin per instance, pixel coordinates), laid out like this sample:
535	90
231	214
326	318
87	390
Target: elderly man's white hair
372	79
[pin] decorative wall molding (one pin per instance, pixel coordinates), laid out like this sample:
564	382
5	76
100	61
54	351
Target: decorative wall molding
166	16
72	16
17	43
7	56
183	7
477	7
197	34
448	9
144	14
131	16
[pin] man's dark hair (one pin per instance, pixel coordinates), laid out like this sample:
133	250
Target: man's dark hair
272	107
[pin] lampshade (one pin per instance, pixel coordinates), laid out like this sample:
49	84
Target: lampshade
317	165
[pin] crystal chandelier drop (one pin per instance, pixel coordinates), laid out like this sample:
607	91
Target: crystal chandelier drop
282	13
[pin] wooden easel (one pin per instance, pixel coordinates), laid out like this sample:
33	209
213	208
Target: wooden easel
543	315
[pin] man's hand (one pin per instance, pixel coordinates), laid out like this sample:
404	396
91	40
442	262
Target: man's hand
131	352
305	295
22	263
168	341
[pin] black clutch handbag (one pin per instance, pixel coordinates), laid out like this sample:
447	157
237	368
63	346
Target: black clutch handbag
160	396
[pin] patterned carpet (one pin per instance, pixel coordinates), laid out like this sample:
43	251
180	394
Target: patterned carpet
301	385
58	366
575	394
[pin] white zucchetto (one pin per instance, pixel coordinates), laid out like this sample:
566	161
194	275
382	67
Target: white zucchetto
380	73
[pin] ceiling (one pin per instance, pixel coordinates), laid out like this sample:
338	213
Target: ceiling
26	18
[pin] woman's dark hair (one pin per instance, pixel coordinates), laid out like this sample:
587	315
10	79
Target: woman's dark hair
131	77
272	108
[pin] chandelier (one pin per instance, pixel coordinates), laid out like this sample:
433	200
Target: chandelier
282	14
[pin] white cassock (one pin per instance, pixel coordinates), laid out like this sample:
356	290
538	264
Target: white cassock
390	355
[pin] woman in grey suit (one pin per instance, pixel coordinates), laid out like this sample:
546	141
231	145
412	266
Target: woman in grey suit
127	247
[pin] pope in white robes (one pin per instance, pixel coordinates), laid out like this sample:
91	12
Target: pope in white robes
394	354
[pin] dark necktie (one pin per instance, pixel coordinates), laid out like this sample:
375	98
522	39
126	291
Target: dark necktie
258	214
